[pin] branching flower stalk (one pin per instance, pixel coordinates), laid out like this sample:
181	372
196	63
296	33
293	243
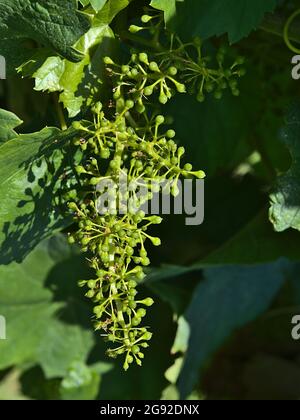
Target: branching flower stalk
129	139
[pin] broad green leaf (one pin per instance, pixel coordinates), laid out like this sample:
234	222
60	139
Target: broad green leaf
96	4
82	382
256	243
167	6
207	18
47	318
214	147
229	298
32	168
79	83
8	121
285	200
52	23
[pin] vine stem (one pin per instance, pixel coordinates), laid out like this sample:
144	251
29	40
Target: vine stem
60	113
276	24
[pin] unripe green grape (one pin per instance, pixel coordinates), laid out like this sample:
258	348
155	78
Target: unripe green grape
85	241
172	71
146	18
199	174
140	276
181	151
125	69
175	190
141	312
132	305
105	153
188	167
236	92
80	170
71	240
147	336
114	164
77	125
92	284
136	321
143	57
144	345
134	72
200	97
209	87
129	104
181	88
163	99
153	66
135	29
82	283
132	284
94	181
135	349
147	302
218	94
90	294
140	108
160	119
143	253
108	61
148	91
171	134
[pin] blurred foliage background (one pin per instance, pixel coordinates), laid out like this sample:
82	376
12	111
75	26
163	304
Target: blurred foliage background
225	291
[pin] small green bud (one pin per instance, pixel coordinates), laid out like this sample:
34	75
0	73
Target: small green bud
108	61
143	57
172	71
160	119
163	99
135	29
129	104
188	167
95	181
153	66
148	91
171	134
146	18
135	349
147	336
199	174
147	302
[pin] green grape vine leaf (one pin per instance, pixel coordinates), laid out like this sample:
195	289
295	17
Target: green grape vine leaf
75	81
32	172
207	18
285	200
82	382
55	24
167	6
47	321
8	122
240	294
96	4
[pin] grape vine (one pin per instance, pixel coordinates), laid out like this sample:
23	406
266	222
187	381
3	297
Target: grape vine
128	137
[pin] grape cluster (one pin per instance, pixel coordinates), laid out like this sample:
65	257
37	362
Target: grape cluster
129	139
